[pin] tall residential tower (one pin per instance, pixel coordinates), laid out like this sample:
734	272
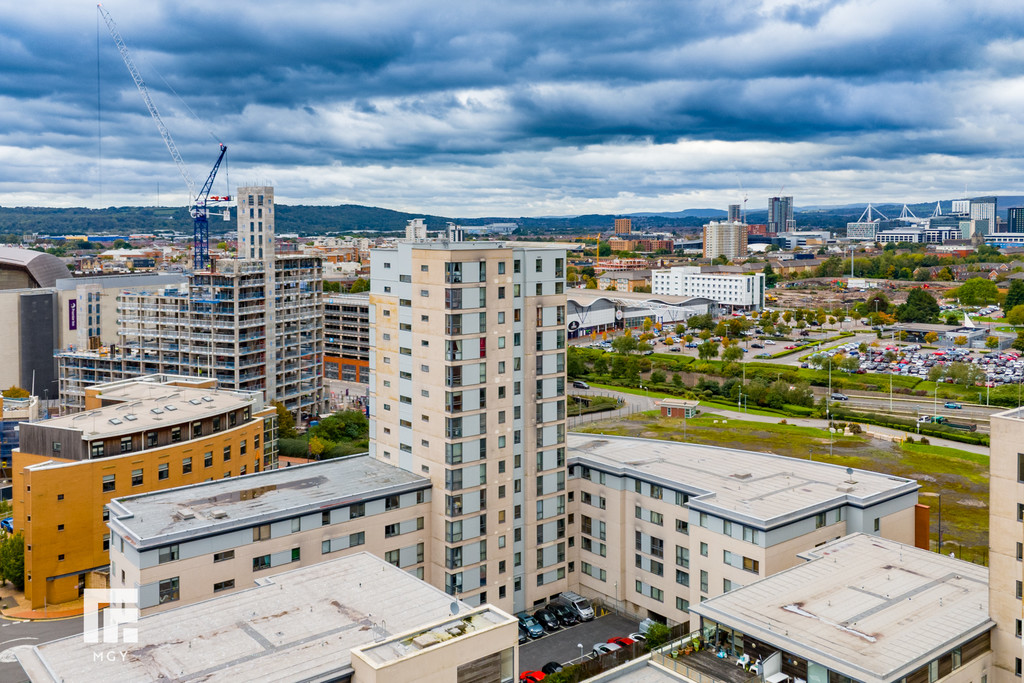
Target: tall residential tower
468	389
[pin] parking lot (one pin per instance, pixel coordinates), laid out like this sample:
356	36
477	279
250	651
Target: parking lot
561	646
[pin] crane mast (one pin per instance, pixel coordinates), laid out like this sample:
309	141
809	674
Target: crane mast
197	200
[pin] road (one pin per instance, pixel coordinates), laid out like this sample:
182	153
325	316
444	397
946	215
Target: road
26	634
638	403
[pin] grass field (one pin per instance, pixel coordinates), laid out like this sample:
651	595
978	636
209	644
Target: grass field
960	476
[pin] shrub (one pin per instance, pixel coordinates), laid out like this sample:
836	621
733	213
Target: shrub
924	441
783	422
855	428
910	439
657	635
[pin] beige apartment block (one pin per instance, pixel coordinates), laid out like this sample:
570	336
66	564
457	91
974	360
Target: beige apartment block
351	619
468	389
188	544
1006	540
863	609
665	525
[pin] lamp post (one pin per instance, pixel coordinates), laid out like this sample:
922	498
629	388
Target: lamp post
580	646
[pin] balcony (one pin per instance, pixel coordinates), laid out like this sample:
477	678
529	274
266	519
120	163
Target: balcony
701	665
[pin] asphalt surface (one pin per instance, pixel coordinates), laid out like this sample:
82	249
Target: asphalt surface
26	634
562	645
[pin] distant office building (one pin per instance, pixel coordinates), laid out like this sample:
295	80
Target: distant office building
734	213
961	207
984	208
623	226
347	337
780	214
725	239
416	229
734	290
1015	219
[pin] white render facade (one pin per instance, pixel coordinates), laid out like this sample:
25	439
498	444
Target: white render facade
743	291
468	388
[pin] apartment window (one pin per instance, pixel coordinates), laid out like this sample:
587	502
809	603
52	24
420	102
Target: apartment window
108	483
355	539
878	524
227	452
223	585
126	444
162	471
682	605
96	449
167	554
208	459
175	434
151	438
224	556
933	671
197	429
169	590
682	578
1020	467
749	535
260	562
261	532
682	526
296	554
703	581
186	465
391	530
704	549
137	477
357	510
819	520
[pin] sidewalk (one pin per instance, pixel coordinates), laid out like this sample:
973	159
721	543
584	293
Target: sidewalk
13	605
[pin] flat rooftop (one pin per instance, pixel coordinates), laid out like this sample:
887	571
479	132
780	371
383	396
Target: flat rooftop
867	607
299	625
146	405
213	507
760	489
586	297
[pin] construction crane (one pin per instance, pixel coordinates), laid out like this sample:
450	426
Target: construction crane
197	203
743	216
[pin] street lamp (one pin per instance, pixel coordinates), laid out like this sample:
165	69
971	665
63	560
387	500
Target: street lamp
580	646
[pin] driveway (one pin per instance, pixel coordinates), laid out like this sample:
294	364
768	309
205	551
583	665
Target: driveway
561	646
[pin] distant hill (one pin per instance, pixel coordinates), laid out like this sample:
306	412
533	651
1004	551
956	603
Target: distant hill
350	218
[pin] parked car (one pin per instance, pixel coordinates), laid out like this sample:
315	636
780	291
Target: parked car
638	637
531	676
604	648
769	342
925	418
840	397
548	620
551	667
580	385
622	642
755	345
953	405
532	626
523	635
566	617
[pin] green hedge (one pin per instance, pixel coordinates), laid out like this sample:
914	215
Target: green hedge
927	429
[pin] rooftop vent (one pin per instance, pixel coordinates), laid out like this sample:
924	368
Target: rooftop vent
845	488
114	421
186	513
195	401
157	411
170	408
208	399
742	475
130	417
218	514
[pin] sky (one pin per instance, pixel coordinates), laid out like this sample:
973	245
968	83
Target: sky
471	108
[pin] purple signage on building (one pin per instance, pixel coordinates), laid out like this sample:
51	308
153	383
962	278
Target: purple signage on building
73	314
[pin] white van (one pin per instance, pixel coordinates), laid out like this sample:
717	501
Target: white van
578	604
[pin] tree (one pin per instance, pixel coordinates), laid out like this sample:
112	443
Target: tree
680	329
1018	343
657	635
316	446
991	342
360	285
977	291
952	319
285	422
770	276
708	350
657	377
601	365
732	354
703	321
626	343
960	340
122	244
576	367
876	302
931	337
921	307
1014	296
12	560
1015	315
332	286
15	391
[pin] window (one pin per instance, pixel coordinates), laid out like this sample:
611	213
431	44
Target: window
296	554
391	530
162	471
260	562
167	554
682	526
704	549
126	444
227	453
169	590
175	434
878	524
261	532
703	581
137	477
355	539
933	671
357	510
208	459
223	586
108	483
186	465
682	605
224	556
682	578
819	520
751	565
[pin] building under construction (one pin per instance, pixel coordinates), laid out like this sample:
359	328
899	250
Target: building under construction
252	323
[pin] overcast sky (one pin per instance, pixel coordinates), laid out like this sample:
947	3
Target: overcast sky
472	108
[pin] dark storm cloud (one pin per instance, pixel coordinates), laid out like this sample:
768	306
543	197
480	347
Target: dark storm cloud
410	89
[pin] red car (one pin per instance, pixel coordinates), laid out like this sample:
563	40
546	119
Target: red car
622	642
790	347
531	676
